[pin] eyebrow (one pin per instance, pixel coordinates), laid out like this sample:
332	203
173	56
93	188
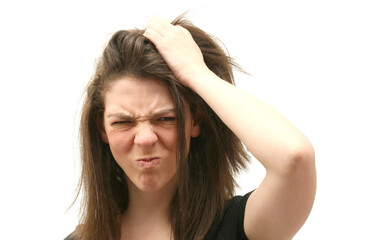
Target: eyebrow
155	114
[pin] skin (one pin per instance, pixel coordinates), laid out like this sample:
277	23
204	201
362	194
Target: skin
281	204
140	127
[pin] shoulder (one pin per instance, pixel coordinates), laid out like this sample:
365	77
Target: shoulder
229	224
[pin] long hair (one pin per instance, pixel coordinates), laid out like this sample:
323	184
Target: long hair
206	174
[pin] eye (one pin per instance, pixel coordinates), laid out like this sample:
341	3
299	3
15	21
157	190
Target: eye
121	122
167	119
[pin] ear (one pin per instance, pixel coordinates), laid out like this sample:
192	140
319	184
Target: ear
196	125
101	129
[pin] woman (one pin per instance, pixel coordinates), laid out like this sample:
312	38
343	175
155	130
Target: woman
161	137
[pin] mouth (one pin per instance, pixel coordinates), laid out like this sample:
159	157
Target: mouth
148	162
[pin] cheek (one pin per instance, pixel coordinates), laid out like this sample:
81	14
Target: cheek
168	138
120	143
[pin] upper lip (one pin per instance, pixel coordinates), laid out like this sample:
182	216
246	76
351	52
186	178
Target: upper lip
147	159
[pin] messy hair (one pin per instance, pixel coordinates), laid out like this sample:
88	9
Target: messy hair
205	175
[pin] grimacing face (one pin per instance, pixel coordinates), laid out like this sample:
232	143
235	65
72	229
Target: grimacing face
141	129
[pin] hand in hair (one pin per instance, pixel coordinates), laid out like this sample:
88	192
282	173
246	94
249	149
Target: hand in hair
179	50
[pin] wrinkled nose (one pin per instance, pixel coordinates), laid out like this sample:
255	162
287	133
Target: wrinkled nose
145	135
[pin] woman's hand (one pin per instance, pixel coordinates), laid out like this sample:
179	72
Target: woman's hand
179	50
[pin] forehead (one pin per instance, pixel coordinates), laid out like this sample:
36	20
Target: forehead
137	96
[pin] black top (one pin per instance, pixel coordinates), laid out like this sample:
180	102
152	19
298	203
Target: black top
230	225
227	226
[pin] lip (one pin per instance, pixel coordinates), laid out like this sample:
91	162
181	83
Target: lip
148	162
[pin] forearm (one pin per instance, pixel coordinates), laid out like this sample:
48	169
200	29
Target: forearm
269	136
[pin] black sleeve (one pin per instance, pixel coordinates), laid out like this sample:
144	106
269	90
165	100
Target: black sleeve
230	224
243	203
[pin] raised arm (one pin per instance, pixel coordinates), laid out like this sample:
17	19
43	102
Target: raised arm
281	204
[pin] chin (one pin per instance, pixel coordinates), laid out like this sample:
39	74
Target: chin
153	184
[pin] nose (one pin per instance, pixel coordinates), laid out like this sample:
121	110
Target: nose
145	135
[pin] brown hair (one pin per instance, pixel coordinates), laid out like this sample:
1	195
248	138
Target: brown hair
206	175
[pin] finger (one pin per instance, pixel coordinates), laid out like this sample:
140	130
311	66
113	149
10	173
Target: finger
182	30
153	36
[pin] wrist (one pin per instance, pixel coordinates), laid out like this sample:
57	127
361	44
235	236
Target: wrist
200	79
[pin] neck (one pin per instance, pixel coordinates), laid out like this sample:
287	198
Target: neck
148	213
149	207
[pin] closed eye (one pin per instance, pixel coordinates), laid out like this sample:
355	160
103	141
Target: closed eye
167	119
117	123
123	125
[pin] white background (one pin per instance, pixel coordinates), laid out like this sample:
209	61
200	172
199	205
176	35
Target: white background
309	60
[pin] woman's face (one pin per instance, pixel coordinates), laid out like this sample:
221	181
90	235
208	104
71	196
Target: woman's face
140	128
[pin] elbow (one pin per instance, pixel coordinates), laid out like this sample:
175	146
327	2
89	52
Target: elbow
300	157
303	154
